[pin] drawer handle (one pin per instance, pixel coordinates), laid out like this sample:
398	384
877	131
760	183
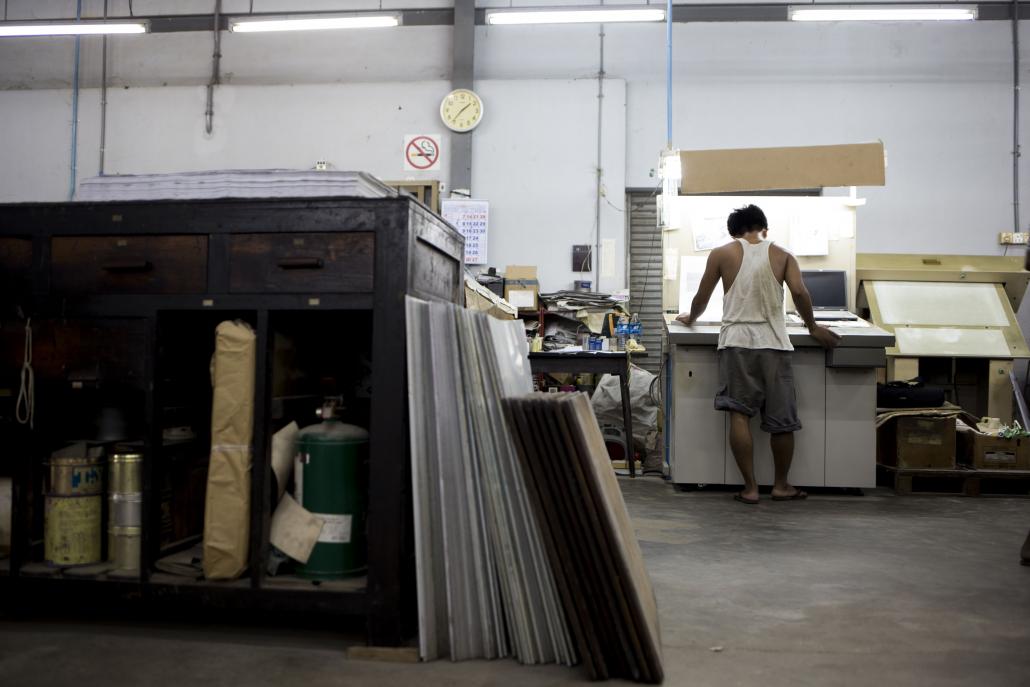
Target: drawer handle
301	263
128	266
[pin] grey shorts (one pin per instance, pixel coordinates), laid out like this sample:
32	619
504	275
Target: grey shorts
760	380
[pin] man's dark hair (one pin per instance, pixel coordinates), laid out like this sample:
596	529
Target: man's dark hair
743	220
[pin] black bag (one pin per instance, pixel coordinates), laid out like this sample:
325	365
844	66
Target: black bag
910	394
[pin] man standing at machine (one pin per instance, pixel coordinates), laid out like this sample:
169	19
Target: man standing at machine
755	374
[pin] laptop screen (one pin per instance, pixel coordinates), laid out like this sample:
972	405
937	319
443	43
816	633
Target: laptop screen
829	288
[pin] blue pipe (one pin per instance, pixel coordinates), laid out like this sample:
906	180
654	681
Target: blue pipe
668	73
75	110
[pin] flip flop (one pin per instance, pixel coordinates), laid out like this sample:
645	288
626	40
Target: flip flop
739	497
798	495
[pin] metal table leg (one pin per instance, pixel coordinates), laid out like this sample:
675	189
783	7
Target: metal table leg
627	416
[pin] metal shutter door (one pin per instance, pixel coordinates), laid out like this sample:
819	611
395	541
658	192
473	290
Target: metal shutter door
645	273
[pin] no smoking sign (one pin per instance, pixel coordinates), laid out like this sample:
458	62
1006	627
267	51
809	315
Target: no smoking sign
421	152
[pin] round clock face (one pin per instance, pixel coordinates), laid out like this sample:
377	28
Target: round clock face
461	110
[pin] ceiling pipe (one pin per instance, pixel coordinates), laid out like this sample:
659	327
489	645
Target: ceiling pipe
74	164
668	74
216	65
103	101
1000	10
1016	226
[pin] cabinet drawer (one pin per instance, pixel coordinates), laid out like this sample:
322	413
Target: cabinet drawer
129	264
15	265
301	263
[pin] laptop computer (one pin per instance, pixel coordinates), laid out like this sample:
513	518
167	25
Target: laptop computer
829	291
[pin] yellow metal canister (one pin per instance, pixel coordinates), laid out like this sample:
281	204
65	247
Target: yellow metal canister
76	475
72	530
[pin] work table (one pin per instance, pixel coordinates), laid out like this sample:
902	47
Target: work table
851	337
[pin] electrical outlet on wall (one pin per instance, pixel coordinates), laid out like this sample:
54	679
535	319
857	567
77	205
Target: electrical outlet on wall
1014	238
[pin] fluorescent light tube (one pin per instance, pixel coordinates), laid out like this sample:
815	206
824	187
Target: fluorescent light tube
84	28
598	14
313	23
883	13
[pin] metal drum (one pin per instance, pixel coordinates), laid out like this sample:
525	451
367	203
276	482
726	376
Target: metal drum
72	530
76	475
124	473
72	510
123	546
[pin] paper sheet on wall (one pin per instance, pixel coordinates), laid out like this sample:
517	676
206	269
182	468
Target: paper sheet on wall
672	262
810	235
692	268
709	230
472	219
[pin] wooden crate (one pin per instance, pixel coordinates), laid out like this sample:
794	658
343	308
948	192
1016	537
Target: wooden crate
985	452
917	442
959	481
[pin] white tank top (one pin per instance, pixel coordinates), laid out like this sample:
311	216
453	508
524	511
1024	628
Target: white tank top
752	310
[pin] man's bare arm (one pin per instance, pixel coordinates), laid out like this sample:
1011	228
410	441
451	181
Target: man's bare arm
803	303
709	280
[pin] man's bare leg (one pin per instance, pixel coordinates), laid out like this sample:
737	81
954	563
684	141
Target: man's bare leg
743	453
783	453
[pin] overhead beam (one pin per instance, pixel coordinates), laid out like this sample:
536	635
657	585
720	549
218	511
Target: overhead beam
740	12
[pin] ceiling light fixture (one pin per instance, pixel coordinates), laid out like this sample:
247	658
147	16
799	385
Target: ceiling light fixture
313	23
587	14
83	28
884	13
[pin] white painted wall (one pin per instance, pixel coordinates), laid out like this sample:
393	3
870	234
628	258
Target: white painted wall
535	158
939	96
535	163
154	130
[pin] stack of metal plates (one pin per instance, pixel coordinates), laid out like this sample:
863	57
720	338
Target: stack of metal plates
233	183
485	583
590	539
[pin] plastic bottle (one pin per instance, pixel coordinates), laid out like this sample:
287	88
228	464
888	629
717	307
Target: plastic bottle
635	328
622	331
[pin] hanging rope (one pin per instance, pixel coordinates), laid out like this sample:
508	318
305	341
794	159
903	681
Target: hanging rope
25	408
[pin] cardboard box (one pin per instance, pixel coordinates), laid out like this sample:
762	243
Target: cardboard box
521	287
764	169
478	297
986	452
917	442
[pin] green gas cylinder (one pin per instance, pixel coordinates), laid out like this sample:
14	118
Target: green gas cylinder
330	478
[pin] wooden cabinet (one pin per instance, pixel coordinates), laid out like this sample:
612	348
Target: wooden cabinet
141	286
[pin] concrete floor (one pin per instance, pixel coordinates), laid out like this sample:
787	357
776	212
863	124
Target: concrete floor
839	590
